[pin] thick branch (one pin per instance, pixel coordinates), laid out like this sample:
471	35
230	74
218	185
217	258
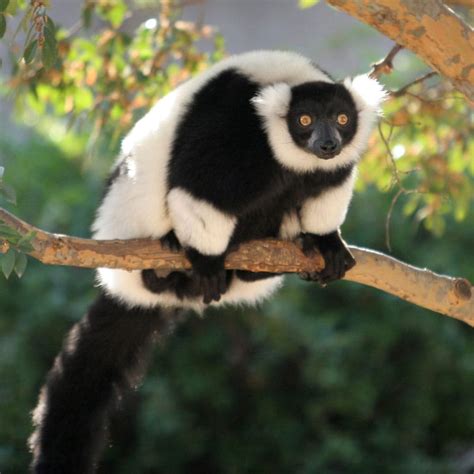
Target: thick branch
428	28
443	294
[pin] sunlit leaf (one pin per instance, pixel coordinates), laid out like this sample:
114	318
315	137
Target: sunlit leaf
307	3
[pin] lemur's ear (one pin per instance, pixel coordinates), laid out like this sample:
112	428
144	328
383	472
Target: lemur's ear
367	92
273	100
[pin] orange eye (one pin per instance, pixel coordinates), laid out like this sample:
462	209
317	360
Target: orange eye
342	119
305	120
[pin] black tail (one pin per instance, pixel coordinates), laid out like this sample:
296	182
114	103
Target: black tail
104	355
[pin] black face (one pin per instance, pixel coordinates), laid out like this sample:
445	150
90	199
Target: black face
322	118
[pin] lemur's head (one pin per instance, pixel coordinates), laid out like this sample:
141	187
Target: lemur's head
321	124
322	118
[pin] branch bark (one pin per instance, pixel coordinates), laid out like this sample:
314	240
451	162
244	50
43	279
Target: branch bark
428	28
443	294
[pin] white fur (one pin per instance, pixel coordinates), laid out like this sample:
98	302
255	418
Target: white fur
128	287
199	224
135	205
327	212
272	104
244	292
290	226
131	210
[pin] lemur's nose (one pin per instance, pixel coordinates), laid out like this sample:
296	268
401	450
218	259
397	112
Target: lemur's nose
329	146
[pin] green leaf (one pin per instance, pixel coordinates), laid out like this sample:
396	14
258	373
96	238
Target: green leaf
3	25
4	5
116	14
48	53
8	263
87	16
20	264
30	51
50	25
8	192
50	38
9	234
24	244
12	7
307	3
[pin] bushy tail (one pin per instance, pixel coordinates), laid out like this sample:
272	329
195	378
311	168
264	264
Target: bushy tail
104	355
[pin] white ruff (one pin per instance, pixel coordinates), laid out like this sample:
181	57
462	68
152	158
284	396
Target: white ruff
272	104
327	212
199	224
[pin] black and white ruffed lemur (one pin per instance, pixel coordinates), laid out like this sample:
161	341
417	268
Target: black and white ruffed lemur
262	144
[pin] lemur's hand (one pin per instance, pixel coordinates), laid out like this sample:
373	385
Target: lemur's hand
337	257
210	273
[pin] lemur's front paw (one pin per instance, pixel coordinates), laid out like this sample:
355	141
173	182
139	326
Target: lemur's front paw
337	257
171	242
210	274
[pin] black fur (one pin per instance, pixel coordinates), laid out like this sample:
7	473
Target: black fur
337	257
323	102
221	154
104	355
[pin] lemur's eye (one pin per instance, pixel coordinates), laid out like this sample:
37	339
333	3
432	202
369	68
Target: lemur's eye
342	119
305	120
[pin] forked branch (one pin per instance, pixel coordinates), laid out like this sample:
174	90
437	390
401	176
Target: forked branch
428	28
443	294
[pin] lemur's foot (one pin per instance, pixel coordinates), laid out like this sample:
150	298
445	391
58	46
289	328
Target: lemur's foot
210	274
171	242
337	257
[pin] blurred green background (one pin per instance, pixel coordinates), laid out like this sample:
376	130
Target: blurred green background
337	380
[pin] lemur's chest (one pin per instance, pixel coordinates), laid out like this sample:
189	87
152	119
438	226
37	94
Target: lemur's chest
286	194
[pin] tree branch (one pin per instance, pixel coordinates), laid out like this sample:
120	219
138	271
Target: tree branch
385	66
443	294
404	89
428	28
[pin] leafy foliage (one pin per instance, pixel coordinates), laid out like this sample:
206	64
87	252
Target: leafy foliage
108	79
328	381
425	151
342	379
102	82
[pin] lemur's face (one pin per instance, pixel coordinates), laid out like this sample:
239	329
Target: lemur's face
322	118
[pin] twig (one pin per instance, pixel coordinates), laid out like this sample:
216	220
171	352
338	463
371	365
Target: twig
385	66
443	294
404	89
389	218
390	154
